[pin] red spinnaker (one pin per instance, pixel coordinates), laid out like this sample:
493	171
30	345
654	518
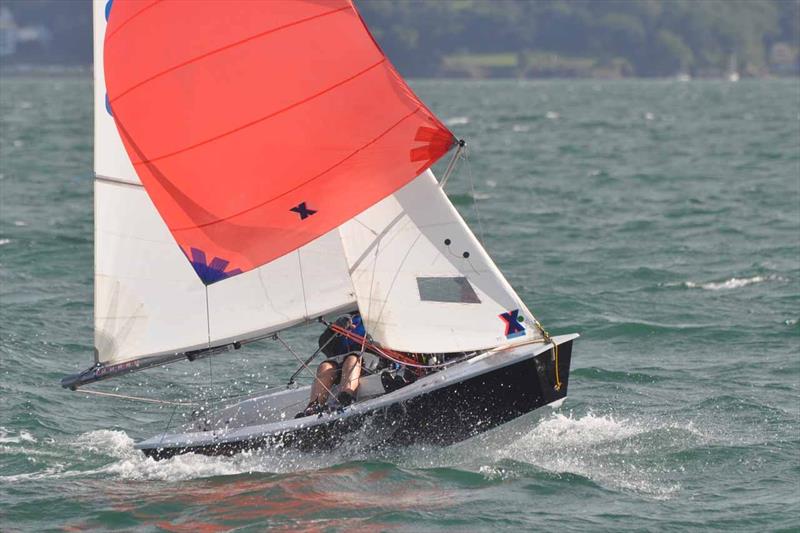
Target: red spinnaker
257	126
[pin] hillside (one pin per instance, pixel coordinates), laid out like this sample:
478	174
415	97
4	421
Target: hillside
505	38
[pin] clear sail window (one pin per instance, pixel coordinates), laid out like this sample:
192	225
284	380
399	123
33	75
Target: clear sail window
452	289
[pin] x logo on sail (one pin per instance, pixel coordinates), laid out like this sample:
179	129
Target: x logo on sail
513	326
303	211
210	272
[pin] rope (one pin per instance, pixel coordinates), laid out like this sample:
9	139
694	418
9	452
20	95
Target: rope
475	200
314	374
137	398
169	423
384	352
313	355
210	381
549	339
452	164
210	367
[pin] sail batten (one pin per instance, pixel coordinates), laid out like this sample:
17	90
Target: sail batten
117	181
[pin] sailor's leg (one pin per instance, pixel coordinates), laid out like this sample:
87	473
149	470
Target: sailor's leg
351	371
326	375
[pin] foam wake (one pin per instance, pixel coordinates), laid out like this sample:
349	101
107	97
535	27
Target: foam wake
8	437
617	453
130	463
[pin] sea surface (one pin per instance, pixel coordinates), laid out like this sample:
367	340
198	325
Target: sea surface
658	219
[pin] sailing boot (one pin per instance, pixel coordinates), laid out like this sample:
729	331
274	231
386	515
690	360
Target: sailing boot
313	408
345	398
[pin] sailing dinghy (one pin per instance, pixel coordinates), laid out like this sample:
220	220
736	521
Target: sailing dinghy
262	165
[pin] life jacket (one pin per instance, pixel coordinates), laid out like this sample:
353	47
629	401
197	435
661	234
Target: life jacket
342	345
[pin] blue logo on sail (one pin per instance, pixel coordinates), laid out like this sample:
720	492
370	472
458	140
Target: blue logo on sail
513	327
210	272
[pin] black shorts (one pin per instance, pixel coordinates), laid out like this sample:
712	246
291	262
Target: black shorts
338	361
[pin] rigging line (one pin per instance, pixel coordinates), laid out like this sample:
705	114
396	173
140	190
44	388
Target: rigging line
208	319
313	355
396	275
363	342
210	399
314	374
365	372
475	200
357	220
452	164
375	242
302	283
210	364
372	278
244	394
169	423
380	352
138	398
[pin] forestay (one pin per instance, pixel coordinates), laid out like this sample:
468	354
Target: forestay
148	299
423	281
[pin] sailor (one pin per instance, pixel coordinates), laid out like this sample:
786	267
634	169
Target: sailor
342	367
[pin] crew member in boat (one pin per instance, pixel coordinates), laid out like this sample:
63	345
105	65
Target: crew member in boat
342	367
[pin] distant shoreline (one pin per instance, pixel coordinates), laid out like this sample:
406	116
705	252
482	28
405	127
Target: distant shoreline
45	71
80	71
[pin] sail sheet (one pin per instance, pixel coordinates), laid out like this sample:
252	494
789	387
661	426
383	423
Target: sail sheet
148	299
258	126
423	281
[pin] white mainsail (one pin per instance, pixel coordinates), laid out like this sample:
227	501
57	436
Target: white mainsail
423	281
148	299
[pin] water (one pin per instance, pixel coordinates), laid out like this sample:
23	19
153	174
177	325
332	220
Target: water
661	220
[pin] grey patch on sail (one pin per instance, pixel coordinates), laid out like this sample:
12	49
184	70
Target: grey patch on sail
123	320
447	289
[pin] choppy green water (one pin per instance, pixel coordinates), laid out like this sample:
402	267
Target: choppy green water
661	220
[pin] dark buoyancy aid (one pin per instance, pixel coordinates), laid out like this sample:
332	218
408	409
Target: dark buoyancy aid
333	347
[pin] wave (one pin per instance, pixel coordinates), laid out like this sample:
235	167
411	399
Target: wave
6	437
468	199
616	453
456	121
96	448
614	328
614	376
604	451
732	283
